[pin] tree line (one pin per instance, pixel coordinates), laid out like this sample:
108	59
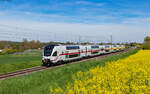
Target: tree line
146	44
12	47
9	47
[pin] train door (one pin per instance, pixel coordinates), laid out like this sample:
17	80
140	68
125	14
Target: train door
67	55
86	51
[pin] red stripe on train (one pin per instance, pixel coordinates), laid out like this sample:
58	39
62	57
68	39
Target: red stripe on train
74	53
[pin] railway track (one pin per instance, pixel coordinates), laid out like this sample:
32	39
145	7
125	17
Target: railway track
39	68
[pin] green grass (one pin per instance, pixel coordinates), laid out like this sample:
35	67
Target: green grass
18	61
39	82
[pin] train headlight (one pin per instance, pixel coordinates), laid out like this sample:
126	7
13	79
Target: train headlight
45	60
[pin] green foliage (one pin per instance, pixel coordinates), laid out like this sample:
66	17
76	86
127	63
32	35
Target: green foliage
12	47
39	82
147	39
146	44
127	45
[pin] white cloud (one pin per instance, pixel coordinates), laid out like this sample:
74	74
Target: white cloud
55	27
89	3
17	30
84	3
28	13
138	20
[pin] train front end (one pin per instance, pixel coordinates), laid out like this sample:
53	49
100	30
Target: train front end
49	55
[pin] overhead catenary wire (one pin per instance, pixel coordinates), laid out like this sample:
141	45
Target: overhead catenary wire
8	32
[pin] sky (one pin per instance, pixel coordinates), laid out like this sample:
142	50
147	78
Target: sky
75	20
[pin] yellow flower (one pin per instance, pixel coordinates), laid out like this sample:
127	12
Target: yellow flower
129	75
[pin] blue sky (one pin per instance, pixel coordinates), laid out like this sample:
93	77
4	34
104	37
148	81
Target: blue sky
95	18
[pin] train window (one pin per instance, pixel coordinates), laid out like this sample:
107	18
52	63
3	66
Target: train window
74	55
102	49
72	47
107	46
94	52
94	46
55	53
48	50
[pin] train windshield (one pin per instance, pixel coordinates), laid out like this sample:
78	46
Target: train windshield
48	50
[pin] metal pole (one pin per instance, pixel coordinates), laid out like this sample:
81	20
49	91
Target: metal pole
111	41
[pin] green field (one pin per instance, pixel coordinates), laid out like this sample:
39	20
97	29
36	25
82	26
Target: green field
17	61
39	82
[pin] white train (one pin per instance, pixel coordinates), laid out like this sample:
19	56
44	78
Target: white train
53	54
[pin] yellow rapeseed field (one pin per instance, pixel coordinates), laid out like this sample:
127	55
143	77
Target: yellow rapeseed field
127	76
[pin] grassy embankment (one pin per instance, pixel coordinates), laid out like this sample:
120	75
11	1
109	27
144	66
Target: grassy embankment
39	82
12	62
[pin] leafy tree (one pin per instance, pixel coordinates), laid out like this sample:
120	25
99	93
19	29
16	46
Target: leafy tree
51	42
147	39
146	44
133	44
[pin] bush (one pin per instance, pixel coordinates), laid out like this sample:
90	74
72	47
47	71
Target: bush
139	46
146	46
